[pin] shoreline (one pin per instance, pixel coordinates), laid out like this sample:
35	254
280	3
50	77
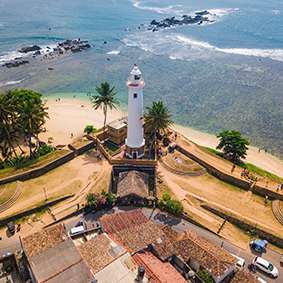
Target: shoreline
71	115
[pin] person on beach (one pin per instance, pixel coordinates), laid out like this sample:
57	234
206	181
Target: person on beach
233	168
72	135
175	136
278	187
266	184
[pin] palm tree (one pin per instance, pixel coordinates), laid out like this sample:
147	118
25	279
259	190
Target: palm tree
8	109
32	118
157	120
105	98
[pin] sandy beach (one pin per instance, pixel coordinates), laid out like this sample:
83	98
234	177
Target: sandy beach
72	115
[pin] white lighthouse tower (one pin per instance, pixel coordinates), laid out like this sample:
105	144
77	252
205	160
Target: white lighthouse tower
135	141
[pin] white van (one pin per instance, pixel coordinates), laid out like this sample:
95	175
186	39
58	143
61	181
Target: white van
76	230
241	262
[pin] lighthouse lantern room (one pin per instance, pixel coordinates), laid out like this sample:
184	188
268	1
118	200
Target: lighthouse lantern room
135	141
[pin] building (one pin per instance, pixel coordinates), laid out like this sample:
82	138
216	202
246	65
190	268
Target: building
117	131
135	232
108	260
200	253
156	270
53	258
135	141
132	188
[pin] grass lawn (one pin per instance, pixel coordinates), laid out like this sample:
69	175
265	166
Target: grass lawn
33	164
7	191
111	148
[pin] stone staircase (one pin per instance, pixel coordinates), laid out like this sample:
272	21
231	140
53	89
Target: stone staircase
182	173
276	211
13	199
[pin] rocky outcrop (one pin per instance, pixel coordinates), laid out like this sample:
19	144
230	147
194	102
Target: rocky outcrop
29	49
185	20
63	48
15	64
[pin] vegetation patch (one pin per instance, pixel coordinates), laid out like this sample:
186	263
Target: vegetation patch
111	148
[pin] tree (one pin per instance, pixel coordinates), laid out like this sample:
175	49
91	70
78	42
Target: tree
8	110
105	98
233	144
89	129
32	118
157	120
174	206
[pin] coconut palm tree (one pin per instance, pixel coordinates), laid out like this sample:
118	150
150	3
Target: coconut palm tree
105	98
157	120
8	110
32	118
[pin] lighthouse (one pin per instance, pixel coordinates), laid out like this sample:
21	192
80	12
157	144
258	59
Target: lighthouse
135	141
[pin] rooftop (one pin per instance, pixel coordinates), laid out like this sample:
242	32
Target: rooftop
60	262
100	251
240	276
156	270
133	182
43	240
135	232
118	124
108	260
205	252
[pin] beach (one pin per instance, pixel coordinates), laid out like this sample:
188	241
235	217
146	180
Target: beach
71	116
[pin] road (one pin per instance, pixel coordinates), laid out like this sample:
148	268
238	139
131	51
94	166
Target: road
179	225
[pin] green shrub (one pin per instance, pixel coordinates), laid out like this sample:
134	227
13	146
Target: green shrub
166	197
174	206
89	129
203	275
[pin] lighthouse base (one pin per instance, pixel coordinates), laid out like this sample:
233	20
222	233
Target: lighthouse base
134	153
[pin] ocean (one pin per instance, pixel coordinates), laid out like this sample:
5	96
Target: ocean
225	73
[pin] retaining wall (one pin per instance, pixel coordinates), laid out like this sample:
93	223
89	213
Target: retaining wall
231	179
48	167
39	171
246	226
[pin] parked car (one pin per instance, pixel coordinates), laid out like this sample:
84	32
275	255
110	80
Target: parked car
265	266
281	259
241	262
11	227
259	245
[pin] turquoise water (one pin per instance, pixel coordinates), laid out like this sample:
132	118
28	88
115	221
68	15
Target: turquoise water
221	75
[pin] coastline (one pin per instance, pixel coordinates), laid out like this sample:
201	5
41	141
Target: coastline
72	115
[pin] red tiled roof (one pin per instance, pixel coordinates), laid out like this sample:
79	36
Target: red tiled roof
135	232
44	239
157	271
240	276
200	249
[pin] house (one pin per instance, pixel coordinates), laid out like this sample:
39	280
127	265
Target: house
108	260
201	253
53	258
117	131
135	232
156	270
240	276
132	188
